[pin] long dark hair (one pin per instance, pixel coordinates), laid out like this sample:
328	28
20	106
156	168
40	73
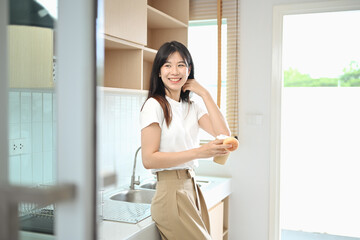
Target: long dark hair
157	87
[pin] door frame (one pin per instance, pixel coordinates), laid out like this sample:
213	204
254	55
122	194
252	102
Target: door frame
279	12
3	92
76	115
76	103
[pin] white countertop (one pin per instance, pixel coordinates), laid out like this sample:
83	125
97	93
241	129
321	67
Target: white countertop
216	190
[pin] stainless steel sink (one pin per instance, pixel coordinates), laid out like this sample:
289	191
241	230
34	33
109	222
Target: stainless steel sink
134	196
148	185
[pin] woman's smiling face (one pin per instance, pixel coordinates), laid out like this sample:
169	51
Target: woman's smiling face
174	74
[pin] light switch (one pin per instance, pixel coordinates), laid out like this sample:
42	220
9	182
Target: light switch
254	119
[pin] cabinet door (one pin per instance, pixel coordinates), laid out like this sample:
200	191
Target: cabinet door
126	20
216	215
31	62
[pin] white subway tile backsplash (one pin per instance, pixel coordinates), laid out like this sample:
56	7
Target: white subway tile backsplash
48	167
14	107
119	136
47	107
25	107
32	122
26	169
27	146
14	130
15	169
47	136
37	137
38	169
25	130
37	107
54	136
54	111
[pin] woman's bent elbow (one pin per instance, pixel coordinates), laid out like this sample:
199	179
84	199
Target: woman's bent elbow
146	163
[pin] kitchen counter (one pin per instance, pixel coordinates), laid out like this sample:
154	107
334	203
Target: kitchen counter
214	190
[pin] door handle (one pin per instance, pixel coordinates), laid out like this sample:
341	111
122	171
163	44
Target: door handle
12	195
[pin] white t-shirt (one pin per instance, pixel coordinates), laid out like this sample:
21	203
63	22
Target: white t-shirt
183	132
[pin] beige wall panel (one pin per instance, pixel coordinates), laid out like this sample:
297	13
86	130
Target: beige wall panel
123	69
126	20
30	57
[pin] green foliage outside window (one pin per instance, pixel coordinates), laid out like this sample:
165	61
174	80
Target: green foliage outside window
349	78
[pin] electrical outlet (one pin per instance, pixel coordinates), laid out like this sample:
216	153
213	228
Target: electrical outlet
13	149
16	146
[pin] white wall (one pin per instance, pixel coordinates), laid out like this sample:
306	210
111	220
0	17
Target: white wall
249	166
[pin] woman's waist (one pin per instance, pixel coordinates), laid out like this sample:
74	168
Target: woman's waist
188	165
174	174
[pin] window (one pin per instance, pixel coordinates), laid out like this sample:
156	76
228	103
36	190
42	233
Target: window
203	48
326	58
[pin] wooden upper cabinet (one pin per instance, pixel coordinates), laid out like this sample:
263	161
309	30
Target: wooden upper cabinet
126	20
178	9
167	21
30	57
134	31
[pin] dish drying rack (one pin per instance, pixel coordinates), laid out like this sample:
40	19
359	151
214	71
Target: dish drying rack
37	218
30	209
33	209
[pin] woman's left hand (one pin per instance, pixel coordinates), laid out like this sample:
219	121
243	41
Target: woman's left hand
194	86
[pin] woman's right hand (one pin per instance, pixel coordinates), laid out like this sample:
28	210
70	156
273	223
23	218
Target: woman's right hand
213	148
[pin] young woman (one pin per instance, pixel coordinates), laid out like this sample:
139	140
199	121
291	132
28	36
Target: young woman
170	146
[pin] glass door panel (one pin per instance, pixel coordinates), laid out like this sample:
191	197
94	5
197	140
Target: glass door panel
320	126
47	121
31	109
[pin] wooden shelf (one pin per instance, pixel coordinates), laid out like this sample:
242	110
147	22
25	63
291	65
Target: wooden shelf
134	31
149	54
178	9
117	43
157	19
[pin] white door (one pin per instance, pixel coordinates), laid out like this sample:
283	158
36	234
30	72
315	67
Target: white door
47	123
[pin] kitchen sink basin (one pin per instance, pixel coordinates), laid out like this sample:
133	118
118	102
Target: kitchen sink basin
134	196
149	185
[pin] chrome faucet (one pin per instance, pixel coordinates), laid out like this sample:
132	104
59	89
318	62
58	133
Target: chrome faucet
133	181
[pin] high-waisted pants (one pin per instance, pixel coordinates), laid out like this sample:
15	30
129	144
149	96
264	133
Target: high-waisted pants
178	207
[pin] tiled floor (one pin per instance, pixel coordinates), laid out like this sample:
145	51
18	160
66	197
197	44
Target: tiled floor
299	235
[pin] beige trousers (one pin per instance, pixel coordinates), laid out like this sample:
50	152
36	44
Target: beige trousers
178	207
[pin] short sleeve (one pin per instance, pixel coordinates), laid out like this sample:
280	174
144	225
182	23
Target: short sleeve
151	113
200	111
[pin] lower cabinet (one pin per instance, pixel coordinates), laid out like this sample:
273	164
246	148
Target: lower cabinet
218	215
